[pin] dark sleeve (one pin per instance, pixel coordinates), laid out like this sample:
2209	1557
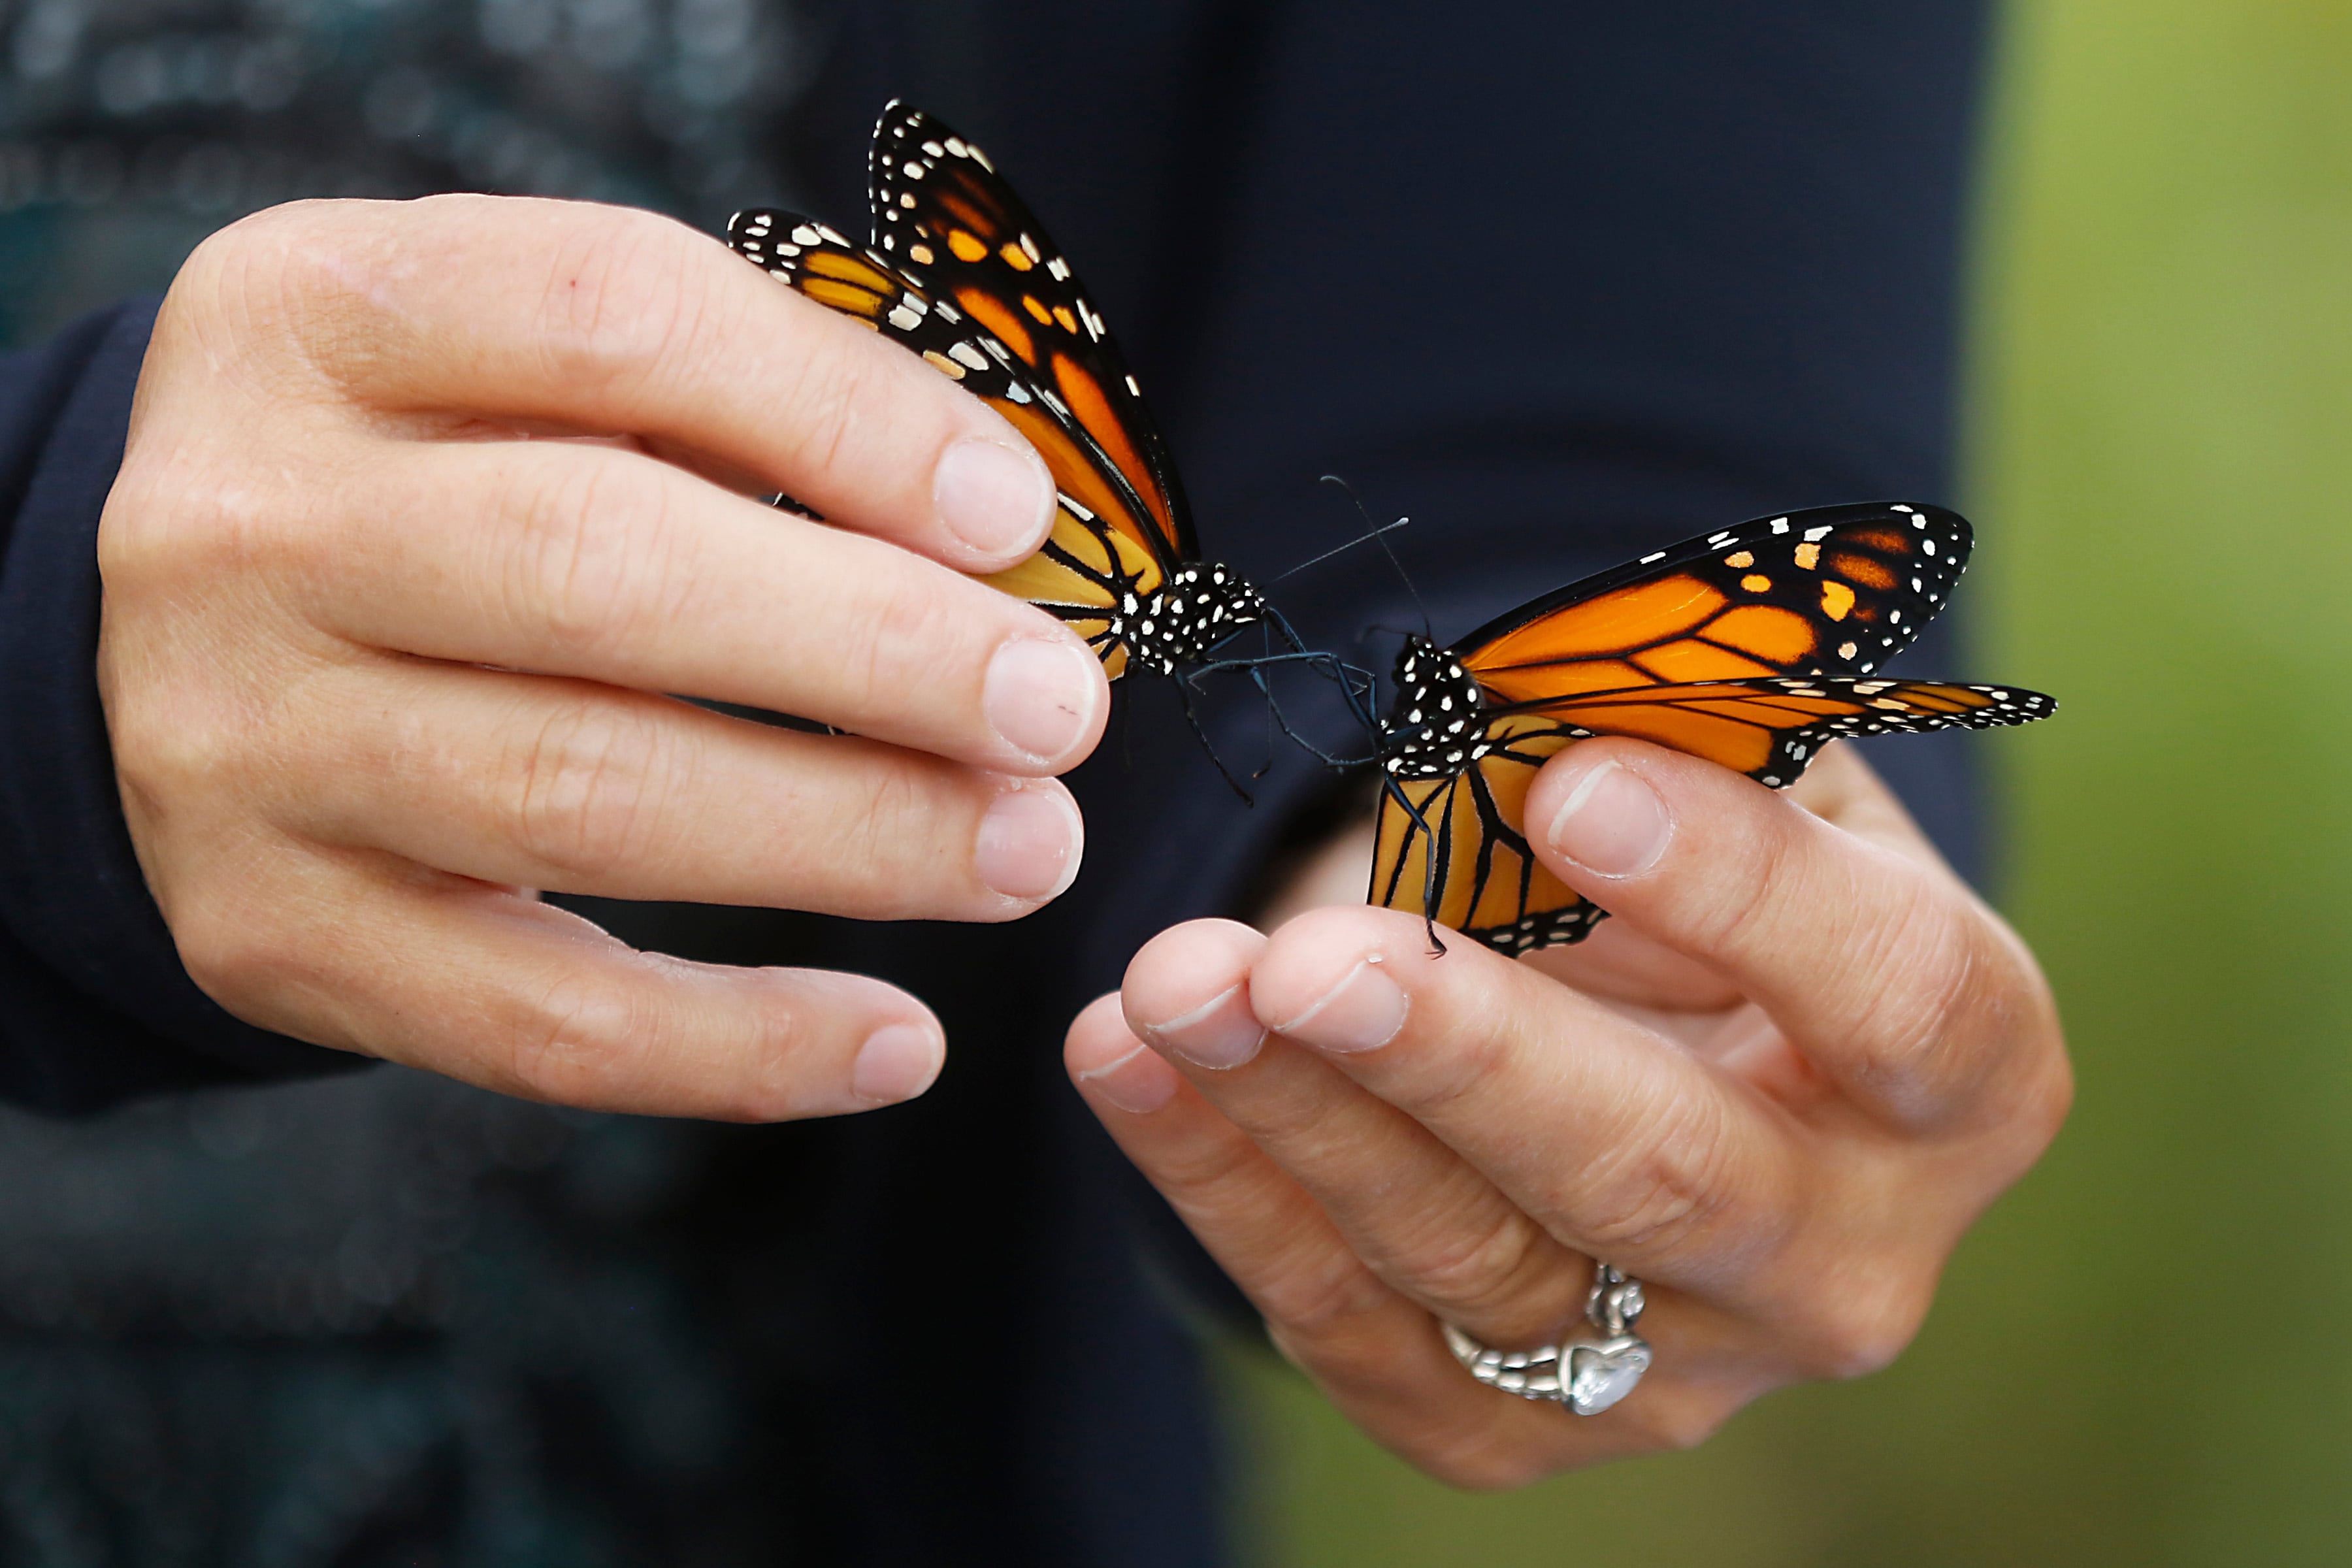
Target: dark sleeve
94	1005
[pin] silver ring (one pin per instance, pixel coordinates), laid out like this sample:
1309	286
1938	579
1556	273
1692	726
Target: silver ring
1587	1372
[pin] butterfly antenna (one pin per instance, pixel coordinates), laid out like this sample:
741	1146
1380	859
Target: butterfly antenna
1379	536
1342	550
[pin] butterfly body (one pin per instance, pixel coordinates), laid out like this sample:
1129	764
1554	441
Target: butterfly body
1751	646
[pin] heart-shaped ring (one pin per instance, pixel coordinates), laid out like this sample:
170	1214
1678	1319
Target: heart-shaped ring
1599	1373
1588	1374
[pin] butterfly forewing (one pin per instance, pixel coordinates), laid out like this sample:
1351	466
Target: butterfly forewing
944	214
1835	590
1088	569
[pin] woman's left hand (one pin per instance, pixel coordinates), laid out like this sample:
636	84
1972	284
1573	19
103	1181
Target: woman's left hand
1776	1088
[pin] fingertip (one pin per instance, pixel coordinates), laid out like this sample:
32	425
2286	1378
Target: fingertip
1107	1062
1598	808
898	1062
1031	843
1184	968
894	1046
1047	698
995	501
1319	949
1097	1037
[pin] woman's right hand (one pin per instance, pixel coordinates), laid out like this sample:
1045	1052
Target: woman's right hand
425	505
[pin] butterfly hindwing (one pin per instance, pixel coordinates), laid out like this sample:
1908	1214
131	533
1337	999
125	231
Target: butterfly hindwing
1772	728
824	264
1484	880
944	215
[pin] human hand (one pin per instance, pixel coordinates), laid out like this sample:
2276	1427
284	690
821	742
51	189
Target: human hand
1776	1088
424	507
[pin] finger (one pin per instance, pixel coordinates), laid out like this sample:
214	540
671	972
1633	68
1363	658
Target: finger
573	787
528	1000
1885	972
606	563
604	319
1630	966
1619	1144
1374	1351
1424	1220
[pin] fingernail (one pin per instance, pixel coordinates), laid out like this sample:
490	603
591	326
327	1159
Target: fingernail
1364	1011
1030	844
1041	696
1612	822
1138	1083
1220	1034
998	500
898	1062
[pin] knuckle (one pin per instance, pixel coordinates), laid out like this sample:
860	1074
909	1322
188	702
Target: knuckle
1477	1270
239	956
593	562
576	795
1337	1311
1863	1326
581	1035
606	1035
828	382
624	294
1665	1186
902	624
174	517
899	811
1734	907
881	653
296	288
1918	1063
1196	1173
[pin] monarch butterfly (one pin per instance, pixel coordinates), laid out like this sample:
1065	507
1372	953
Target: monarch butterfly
961	273
1751	646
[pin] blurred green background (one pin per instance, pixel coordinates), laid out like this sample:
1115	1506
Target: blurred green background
2144	1355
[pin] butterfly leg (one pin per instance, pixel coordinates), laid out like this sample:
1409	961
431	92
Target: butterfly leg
1390	787
1192	717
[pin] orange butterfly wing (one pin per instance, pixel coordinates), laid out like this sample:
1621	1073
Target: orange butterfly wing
1749	646
1091	567
1487	882
946	217
1835	590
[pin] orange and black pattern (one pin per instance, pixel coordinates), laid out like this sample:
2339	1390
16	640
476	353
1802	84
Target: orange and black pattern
1750	648
962	275
944	214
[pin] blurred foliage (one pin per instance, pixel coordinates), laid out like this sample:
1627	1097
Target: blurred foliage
2138	1357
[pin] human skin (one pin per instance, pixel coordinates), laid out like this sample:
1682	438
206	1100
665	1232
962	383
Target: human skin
1777	1086
426	508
